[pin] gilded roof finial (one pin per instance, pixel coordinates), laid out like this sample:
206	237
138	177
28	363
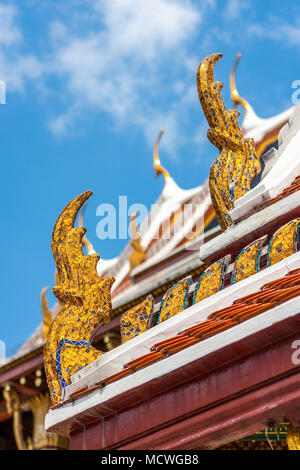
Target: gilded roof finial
47	316
89	247
138	254
236	98
156	161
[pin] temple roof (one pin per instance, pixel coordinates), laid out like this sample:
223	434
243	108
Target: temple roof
168	206
242	310
246	298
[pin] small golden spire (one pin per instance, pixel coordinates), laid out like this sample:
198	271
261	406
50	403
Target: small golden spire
85	241
47	316
233	90
156	161
138	254
133	227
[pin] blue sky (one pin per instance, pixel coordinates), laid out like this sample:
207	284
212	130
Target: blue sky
89	85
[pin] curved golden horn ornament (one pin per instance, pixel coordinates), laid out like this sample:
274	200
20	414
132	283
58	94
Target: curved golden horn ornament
85	241
237	164
47	315
133	226
236	98
86	302
159	169
138	254
64	224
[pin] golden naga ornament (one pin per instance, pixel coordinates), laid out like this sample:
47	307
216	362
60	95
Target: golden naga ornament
86	302
86	243
158	168
138	254
47	315
235	96
237	164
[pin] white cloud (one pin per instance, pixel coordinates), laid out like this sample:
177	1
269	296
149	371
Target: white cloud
136	27
278	30
15	67
61	125
128	59
9	32
234	8
291	33
119	66
17	70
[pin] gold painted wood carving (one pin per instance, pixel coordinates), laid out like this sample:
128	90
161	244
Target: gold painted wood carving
174	300
247	261
136	320
211	280
237	164
38	404
13	406
86	302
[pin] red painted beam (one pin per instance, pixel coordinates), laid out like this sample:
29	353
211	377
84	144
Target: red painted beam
190	392
22	369
229	421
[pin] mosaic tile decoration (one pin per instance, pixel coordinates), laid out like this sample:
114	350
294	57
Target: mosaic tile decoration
174	300
247	261
85	298
284	242
211	280
237	164
137	320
